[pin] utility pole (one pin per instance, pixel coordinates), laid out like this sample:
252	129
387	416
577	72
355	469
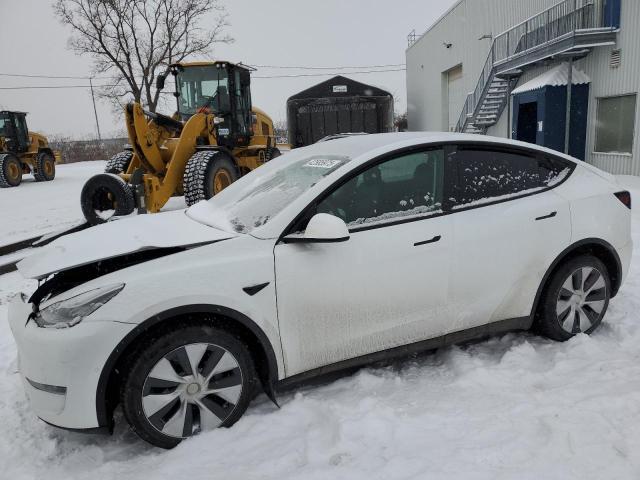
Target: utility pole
95	111
567	131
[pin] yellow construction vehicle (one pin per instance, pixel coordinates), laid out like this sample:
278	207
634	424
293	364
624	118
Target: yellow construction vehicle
23	152
214	137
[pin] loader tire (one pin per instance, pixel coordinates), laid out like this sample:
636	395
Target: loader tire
104	196
45	170
119	163
272	153
10	171
207	173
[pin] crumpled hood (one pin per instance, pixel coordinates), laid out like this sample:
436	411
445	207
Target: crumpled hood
117	238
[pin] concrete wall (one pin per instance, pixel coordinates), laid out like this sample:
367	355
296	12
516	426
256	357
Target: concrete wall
428	59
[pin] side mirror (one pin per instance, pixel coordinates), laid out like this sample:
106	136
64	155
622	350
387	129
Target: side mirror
322	228
160	79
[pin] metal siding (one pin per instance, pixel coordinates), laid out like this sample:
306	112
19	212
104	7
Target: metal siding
428	59
606	82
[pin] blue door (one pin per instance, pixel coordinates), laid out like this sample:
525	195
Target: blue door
612	13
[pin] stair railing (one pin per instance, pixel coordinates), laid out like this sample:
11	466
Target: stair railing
563	19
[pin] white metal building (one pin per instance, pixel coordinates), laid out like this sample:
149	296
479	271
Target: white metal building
502	67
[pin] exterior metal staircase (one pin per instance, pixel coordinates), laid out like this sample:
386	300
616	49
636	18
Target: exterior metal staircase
571	28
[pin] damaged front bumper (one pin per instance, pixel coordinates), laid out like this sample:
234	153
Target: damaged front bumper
60	367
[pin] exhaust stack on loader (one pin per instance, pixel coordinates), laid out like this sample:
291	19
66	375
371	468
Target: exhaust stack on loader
214	138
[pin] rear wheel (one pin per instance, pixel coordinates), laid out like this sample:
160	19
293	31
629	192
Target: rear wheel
119	163
576	299
207	174
45	170
185	381
105	196
10	170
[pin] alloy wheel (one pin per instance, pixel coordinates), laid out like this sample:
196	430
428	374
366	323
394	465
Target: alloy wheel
581	300
191	389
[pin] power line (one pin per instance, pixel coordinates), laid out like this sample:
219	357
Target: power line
299	75
329	74
288	67
22	75
329	68
54	87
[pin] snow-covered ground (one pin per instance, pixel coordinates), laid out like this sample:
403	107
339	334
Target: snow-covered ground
36	208
516	406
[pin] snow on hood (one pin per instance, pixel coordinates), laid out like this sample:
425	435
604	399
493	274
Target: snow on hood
113	239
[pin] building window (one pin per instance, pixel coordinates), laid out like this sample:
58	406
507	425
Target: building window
615	124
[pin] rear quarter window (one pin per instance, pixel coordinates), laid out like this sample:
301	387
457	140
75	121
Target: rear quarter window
487	175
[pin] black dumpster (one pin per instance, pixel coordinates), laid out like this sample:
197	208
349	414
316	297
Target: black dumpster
338	105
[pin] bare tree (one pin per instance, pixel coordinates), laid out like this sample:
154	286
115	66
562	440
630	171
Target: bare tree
135	40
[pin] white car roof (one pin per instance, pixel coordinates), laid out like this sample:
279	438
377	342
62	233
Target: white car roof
362	148
357	145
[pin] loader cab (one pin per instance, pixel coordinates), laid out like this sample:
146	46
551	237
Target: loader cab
221	88
13	128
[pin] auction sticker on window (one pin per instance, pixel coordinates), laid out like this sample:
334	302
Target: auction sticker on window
323	163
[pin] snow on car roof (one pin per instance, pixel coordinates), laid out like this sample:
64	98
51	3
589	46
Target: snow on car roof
358	145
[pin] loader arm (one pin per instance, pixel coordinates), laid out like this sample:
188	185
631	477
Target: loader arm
158	190
146	138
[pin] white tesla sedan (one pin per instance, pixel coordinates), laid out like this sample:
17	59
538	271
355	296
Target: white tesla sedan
332	256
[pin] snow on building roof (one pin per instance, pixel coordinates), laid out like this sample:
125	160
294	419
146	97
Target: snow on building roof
556	77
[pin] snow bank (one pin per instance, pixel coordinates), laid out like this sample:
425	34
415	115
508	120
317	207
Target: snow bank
511	407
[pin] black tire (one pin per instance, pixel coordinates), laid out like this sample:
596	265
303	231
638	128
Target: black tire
272	153
10	170
45	170
104	196
562	314
119	163
202	169
139	384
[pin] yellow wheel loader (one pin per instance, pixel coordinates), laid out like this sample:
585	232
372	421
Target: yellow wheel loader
214	137
23	152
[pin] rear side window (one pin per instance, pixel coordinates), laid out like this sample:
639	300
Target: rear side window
485	176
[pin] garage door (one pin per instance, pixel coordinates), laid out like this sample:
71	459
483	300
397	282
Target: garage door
456	96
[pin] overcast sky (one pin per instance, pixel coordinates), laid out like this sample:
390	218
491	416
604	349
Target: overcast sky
282	32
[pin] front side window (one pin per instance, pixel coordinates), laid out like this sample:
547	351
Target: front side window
486	176
615	124
200	86
404	187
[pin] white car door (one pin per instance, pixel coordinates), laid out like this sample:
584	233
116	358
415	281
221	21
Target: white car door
387	285
503	249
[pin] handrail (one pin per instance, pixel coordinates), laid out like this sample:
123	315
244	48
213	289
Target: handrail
565	17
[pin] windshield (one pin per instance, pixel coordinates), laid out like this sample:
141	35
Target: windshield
200	86
262	194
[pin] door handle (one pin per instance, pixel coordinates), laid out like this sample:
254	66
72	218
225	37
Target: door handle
551	215
426	242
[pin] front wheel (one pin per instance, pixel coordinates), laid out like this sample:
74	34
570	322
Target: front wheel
45	170
207	173
575	300
185	381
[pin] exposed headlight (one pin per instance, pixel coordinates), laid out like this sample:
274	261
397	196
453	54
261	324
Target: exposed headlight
71	311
